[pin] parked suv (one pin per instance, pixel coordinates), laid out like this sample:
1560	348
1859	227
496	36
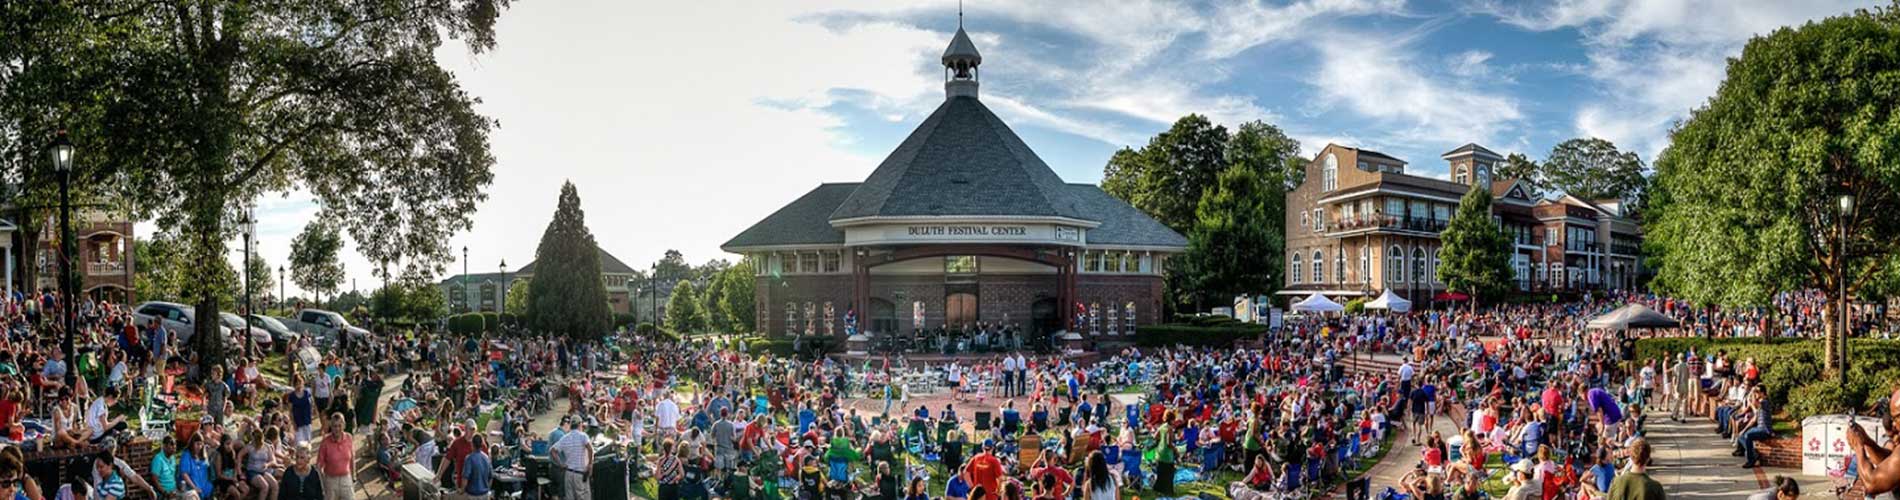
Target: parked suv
325	327
175	318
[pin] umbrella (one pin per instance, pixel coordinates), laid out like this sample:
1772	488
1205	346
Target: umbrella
1318	303
1633	316
1391	302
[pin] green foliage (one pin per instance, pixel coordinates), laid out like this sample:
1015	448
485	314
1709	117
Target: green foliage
1165	178
1822	398
1476	258
473	323
1744	199
1788	366
346	302
622	320
736	286
1356	305
517	300
1233	247
710	309
1592	169
1224	335
567	296
261	284
408	302
646	329
784	346
1525	170
682	311
314	258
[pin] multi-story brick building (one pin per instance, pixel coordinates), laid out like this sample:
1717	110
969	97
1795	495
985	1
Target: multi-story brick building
961	224
1360	225
103	262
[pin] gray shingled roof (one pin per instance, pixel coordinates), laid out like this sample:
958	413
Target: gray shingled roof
962	160
961	47
1122	224
804	221
1472	147
608	264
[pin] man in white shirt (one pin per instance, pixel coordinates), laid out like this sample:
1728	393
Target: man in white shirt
1405	375
1009	376
575	454
98	417
666	416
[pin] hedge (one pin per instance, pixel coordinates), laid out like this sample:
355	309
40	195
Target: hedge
1791	370
1222	334
623	319
473	323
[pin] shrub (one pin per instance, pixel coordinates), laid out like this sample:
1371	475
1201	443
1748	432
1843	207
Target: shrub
622	320
1821	398
1792	373
1356	306
1178	334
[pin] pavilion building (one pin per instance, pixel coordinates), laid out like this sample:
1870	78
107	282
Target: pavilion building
961	224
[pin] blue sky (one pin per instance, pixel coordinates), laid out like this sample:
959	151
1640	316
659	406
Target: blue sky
682	123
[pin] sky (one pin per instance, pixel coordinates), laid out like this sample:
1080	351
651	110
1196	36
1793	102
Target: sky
683	123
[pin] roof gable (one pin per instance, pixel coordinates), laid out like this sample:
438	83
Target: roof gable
608	264
962	160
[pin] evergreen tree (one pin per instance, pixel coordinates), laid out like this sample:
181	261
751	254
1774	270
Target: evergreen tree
566	296
682	311
1233	247
1476	258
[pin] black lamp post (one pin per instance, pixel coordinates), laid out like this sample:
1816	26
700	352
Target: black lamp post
63	163
248	225
283	301
464	284
1840	268
501	303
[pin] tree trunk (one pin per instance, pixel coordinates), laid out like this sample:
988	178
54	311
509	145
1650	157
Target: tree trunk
1834	338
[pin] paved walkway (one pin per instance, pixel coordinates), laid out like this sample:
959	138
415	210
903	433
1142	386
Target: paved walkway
1691	461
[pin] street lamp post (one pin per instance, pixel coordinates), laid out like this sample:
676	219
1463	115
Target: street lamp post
1840	268
283	301
248	225
501	303
63	162
653	285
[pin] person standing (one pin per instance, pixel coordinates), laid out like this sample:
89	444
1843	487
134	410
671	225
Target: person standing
334	455
300	481
575	454
215	393
302	408
1636	484
478	471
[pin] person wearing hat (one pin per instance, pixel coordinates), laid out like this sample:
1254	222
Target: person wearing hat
1524	486
986	471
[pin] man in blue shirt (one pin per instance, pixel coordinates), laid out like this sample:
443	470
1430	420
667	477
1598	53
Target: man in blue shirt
477	470
1762	428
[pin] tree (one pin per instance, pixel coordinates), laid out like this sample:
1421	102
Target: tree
710	309
346	302
682	311
567	296
158	276
1165	178
1526	171
516	302
261	284
406	301
736	295
1744	204
1592	169
1476	257
188	110
1234	248
314	258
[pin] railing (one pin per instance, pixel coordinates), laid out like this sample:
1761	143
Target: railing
1424	224
105	268
1578	246
1626	249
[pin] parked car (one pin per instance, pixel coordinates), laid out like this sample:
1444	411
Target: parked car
174	317
280	335
325	327
236	323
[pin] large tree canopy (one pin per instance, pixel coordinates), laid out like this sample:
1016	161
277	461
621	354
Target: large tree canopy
1592	169
194	108
1235	247
1745	198
1476	258
567	295
315	259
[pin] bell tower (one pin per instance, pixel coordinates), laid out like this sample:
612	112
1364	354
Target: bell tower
960	60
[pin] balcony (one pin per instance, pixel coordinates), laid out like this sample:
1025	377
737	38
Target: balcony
1422	224
1626	249
111	268
1579	246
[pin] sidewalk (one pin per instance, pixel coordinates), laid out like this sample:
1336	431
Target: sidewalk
1691	461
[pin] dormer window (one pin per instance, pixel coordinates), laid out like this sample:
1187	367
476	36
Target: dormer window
1330	174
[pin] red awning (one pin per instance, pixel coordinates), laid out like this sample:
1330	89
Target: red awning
1451	297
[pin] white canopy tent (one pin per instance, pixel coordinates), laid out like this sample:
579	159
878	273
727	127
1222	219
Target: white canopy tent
1391	302
1319	304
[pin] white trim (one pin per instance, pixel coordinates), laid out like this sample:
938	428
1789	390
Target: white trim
1384	190
782	248
976	219
1139	248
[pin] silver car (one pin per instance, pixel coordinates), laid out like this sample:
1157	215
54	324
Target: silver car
176	318
235	323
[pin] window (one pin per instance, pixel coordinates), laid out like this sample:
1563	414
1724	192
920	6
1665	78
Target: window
1394	207
1460	174
1365	166
1319	220
959	264
775	265
1147	263
834	260
1418	265
1296	269
1129	263
1339	265
1365	263
1319	267
1441	212
1345	212
808	262
1395	265
1433	271
1094	262
1112	262
1330	176
1550	236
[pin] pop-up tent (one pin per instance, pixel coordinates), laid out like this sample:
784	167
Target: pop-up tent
1391	302
1633	316
1319	304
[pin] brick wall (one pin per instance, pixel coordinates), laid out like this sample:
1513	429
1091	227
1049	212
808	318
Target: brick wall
1107	289
1781	452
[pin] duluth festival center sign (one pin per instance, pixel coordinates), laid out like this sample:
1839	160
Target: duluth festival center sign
967	230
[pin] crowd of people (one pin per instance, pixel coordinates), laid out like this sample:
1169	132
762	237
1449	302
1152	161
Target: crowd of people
1538	406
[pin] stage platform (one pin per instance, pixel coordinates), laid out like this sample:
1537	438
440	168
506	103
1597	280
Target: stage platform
935	358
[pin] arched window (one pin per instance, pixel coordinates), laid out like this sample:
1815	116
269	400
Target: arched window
1297	270
1319	267
1365	263
1395	264
1433	271
1330	174
1418	265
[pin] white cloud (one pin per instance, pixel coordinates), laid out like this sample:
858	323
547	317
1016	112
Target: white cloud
1374	78
1239	26
1470	64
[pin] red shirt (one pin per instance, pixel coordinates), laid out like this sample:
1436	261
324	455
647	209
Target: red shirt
1553	401
333	456
987	471
458	451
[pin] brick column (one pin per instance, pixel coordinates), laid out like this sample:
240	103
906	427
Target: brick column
861	288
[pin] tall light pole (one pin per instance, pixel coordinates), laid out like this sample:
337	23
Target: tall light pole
248	225
1840	270
501	303
283	301
464	284
63	163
